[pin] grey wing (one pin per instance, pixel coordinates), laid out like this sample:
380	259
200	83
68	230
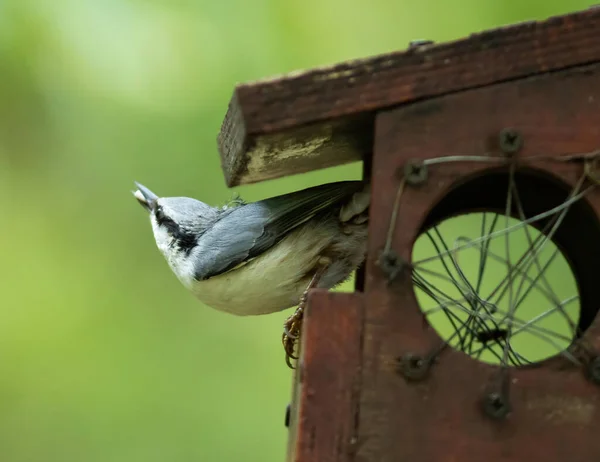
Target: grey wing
250	230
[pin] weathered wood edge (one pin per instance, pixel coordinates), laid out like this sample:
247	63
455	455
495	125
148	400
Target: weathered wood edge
271	125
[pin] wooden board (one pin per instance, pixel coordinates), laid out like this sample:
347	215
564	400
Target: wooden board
325	406
323	117
555	411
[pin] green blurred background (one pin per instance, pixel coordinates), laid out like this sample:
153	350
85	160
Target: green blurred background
104	356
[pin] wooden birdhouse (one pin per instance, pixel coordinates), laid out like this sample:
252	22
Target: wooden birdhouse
502	128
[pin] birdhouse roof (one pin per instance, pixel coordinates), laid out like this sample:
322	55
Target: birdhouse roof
323	117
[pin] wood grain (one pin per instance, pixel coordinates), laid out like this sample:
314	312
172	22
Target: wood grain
556	411
323	117
325	405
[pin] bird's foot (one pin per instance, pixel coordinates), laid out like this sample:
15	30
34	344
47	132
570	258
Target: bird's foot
293	325
291	332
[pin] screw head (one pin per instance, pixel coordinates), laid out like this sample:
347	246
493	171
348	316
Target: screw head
496	406
391	264
510	141
593	370
415	173
413	367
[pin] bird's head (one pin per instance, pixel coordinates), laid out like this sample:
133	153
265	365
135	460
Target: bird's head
177	223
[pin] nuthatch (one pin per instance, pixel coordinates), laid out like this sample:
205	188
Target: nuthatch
262	257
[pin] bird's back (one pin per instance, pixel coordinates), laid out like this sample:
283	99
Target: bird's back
262	255
250	230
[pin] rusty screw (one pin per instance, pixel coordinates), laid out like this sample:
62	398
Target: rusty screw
391	264
496	406
413	367
415	173
510	141
593	370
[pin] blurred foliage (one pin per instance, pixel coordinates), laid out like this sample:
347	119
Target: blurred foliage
105	357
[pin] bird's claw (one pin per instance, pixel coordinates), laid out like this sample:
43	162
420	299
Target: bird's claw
292	328
291	333
287	332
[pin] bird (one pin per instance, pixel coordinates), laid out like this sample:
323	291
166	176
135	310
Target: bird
263	257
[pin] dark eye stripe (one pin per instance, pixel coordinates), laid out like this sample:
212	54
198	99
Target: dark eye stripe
184	240
160	216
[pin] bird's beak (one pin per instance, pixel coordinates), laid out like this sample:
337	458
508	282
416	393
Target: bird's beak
145	197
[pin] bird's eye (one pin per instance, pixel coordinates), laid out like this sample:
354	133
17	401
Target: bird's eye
159	214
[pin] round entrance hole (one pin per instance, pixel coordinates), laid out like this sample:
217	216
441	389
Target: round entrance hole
501	283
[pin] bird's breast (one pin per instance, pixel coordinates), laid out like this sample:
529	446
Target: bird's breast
273	281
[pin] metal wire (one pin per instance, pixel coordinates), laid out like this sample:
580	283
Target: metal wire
487	328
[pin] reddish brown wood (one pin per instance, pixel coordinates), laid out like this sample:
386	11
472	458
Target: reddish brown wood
323	117
556	411
324	409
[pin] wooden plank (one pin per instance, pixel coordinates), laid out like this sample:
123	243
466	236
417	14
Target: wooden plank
252	159
555	410
324	409
322	117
